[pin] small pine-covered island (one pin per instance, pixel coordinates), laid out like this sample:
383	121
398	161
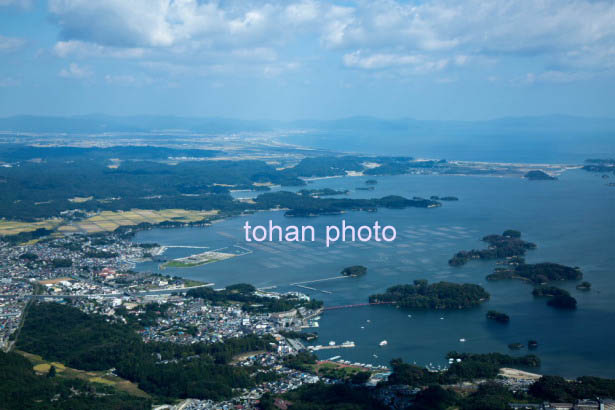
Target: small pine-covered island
558	298
584	286
435	296
498	316
548	291
563	302
537	273
516	346
356	270
538	175
507	245
322	192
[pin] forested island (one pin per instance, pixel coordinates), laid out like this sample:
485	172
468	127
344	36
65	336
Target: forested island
356	270
322	192
538	175
558	298
563	302
548	291
435	296
498	316
537	273
584	286
300	205
500	246
606	165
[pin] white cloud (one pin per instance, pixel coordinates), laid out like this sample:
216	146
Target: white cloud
8	44
275	70
82	49
24	4
258	53
75	71
302	13
419	63
162	23
552	76
568	35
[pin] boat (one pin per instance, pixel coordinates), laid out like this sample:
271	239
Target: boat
331	343
462	340
375	355
383	343
409	315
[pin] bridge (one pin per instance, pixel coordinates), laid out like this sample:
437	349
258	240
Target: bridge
356	305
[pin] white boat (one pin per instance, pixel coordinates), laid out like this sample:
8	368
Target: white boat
462	340
331	343
383	343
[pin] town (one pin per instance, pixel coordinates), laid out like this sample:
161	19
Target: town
95	274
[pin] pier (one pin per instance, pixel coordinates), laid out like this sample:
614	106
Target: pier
356	305
302	284
314	289
345	345
319	280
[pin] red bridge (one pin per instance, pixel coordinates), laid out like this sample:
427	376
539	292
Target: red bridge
356	305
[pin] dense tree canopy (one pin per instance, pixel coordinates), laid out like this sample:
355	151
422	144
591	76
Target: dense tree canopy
441	295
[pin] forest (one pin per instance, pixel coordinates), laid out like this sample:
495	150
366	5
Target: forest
63	333
22	389
43	182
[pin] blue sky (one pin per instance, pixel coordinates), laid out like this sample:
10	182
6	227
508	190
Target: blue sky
430	59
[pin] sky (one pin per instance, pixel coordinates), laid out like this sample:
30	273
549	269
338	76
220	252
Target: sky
285	60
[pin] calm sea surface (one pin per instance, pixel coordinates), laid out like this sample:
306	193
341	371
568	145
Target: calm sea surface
571	220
